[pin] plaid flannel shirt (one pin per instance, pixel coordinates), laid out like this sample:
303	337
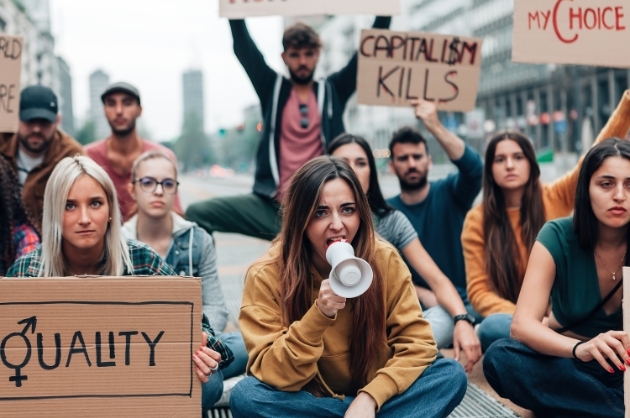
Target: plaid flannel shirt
146	262
25	239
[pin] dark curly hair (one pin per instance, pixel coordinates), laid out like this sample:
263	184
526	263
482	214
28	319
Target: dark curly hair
300	35
12	213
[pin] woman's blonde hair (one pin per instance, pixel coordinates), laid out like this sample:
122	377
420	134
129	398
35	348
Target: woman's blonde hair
151	155
65	174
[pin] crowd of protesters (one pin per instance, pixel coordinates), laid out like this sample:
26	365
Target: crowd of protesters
517	278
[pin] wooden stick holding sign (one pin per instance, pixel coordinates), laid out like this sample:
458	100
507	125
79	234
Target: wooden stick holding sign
589	32
625	306
10	69
395	67
239	9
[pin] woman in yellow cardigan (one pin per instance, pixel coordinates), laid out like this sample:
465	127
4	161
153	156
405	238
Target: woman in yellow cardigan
313	353
498	234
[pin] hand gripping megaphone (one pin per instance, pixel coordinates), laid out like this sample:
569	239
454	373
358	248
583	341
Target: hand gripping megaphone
350	276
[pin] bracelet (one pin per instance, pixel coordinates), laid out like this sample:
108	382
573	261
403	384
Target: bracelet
575	348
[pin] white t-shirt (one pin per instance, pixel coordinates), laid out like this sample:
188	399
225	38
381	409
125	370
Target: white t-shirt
26	164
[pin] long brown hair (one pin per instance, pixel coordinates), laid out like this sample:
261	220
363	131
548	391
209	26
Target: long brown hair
299	206
502	256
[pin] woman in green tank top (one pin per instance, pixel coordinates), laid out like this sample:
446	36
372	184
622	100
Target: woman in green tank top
571	361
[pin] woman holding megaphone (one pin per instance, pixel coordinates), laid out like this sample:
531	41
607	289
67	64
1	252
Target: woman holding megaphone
450	321
315	353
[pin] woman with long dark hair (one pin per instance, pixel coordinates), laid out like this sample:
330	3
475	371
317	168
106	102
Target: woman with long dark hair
572	364
499	234
17	235
450	321
357	356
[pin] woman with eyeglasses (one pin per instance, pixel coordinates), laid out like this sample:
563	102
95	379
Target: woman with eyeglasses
186	248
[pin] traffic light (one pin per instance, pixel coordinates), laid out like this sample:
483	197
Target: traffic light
222	132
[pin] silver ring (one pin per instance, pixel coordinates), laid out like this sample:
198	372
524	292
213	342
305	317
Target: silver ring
214	370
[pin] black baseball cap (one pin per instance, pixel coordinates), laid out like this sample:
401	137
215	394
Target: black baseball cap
38	102
121	88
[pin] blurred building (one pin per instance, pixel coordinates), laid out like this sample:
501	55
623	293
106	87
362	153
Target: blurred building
47	71
192	81
15	21
31	20
65	97
558	106
99	80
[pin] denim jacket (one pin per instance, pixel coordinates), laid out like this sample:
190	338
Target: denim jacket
192	253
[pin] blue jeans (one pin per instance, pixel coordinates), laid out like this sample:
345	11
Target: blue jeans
211	392
442	323
435	393
493	328
553	386
234	341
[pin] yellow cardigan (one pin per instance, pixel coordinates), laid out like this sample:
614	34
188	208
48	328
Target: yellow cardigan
558	200
288	358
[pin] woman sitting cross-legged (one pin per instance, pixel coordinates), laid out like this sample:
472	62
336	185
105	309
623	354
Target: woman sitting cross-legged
313	353
82	236
186	248
572	364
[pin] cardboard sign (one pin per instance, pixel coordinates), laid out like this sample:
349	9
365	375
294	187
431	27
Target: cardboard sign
10	68
397	66
239	9
116	347
588	32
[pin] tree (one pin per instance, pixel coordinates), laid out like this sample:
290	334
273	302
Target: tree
193	148
87	133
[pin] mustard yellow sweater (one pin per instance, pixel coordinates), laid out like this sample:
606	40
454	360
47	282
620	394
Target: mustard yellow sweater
558	199
288	358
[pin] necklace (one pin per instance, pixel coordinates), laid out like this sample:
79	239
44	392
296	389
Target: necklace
614	273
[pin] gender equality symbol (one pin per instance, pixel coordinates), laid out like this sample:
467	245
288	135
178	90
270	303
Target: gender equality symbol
32	321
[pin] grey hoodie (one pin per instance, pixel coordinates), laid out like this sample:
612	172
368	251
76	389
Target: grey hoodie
188	238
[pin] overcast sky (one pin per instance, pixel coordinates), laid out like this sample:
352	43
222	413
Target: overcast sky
150	43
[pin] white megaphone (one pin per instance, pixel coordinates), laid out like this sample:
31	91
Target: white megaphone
350	276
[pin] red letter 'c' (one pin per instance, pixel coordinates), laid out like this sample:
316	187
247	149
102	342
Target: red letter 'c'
555	24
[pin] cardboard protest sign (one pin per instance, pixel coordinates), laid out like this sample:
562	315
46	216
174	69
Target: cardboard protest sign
397	66
116	347
588	32
239	9
10	68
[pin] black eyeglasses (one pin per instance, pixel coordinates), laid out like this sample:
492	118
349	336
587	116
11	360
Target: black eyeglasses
149	184
304	113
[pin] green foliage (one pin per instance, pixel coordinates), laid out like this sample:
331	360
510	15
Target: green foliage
192	147
87	133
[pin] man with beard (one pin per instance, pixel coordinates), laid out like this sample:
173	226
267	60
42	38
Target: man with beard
117	153
37	147
301	116
436	209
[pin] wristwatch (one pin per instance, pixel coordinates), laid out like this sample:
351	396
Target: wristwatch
464	317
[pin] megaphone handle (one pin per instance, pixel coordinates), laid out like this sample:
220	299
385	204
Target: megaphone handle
328	302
